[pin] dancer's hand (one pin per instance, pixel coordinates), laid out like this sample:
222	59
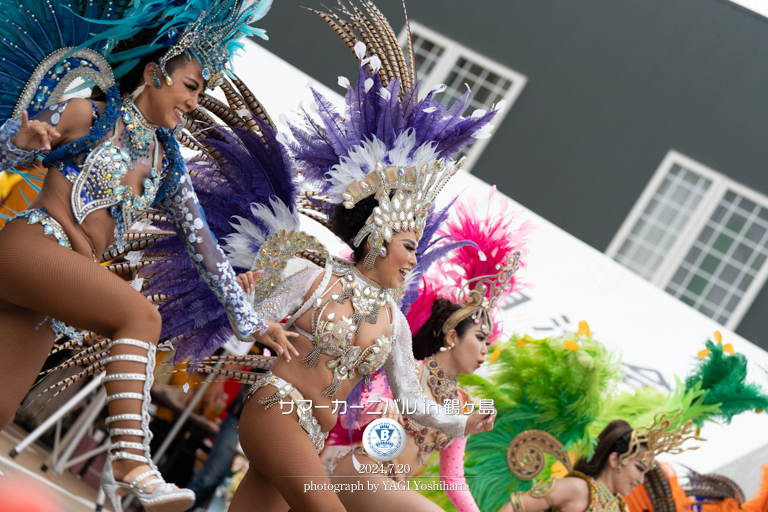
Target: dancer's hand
33	135
248	280
277	339
478	423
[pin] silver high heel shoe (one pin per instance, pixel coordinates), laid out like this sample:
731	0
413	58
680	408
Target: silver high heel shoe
165	497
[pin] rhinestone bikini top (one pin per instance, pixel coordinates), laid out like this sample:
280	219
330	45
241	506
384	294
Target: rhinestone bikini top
334	336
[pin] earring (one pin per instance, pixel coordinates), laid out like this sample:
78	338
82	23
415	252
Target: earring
618	469
443	349
139	90
370	259
156	80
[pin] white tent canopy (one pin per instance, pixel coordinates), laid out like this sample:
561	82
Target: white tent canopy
657	335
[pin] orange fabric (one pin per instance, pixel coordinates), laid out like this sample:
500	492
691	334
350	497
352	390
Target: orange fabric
638	500
11	187
758	503
727	505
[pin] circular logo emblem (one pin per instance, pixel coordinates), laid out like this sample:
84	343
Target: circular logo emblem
384	439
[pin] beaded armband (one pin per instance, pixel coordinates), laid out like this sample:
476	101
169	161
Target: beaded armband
542	489
516	499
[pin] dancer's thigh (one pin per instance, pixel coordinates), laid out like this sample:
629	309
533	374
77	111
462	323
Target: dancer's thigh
39	275
282	458
388	496
40	278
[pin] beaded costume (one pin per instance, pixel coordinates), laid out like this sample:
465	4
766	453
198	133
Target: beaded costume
46	45
96	163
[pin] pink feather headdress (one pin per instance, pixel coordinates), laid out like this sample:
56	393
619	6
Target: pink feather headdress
478	281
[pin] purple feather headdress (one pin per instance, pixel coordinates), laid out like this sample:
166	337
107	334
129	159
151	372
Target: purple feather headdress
383	125
387	143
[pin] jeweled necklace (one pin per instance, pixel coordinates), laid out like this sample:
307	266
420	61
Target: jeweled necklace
443	386
138	135
605	496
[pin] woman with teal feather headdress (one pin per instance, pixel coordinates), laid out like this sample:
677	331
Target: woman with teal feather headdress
110	157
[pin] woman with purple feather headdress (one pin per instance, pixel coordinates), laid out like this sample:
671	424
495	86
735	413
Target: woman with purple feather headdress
378	170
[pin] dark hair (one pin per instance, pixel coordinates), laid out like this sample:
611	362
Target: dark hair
346	223
614	438
134	77
430	337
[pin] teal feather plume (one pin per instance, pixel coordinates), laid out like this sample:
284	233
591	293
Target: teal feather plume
723	379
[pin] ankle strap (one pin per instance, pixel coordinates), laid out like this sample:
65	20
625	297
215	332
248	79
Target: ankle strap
124	396
125	376
126	445
124	357
152	472
131	456
123	417
125	432
129	341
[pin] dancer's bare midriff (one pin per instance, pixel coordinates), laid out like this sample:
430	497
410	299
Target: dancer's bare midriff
97	231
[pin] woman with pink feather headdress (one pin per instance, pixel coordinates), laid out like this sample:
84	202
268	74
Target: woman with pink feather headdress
454	319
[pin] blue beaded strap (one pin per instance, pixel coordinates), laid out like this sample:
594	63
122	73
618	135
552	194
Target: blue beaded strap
50	225
176	167
100	129
95	110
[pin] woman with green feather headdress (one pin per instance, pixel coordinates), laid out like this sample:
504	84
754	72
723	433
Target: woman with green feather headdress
557	400
109	159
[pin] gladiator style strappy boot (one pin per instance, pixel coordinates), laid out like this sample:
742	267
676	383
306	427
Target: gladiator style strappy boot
165	497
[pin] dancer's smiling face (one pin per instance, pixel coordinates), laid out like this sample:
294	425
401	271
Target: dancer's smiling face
391	270
167	105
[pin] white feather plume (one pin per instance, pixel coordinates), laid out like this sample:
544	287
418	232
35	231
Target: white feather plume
362	159
240	246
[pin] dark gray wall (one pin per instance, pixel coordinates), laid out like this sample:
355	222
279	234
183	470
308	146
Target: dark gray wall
612	86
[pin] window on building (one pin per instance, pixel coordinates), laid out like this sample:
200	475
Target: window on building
440	60
426	54
662	221
700	236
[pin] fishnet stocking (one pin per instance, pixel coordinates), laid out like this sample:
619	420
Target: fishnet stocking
283	459
40	278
